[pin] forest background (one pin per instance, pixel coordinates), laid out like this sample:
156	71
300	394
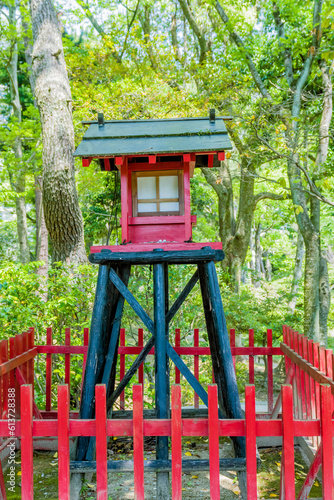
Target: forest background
266	63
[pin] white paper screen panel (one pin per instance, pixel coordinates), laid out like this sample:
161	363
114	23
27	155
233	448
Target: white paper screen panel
169	187
169	206
147	188
147	207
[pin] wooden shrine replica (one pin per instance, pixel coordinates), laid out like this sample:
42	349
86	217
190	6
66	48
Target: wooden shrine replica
156	159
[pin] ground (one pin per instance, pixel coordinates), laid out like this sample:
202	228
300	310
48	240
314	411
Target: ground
195	486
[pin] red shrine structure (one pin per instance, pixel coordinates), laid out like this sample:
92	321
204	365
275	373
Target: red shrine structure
156	160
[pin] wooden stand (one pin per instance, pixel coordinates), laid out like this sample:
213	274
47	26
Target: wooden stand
111	291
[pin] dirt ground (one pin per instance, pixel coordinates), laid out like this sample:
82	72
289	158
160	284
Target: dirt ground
194	485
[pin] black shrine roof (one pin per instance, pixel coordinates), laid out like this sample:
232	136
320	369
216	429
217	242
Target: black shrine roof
153	137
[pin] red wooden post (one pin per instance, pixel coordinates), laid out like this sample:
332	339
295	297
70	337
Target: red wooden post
327	442
196	365
312	386
25	366
18	350
177	344
329	368
12	381
176	443
187	215
297	376
27	465
317	387
101	442
232	343
124	202
122	367
251	464
63	443
307	380
48	369
213	442
302	376
86	341
141	368
288	452
68	358
251	357
138	442
270	372
31	343
5	380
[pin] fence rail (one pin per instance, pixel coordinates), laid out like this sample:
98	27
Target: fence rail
251	427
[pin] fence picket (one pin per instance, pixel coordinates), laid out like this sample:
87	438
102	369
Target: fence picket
68	358
63	443
288	452
101	442
141	368
176	443
177	344
48	373
251	465
27	467
213	441
270	372
196	365
138	442
327	442
122	367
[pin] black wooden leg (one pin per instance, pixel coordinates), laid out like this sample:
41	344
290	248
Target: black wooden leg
225	376
104	310
100	315
109	371
161	370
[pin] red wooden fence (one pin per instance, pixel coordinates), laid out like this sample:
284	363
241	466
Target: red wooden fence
306	411
64	427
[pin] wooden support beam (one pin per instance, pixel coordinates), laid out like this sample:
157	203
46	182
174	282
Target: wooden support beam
161	372
111	357
123	290
130	373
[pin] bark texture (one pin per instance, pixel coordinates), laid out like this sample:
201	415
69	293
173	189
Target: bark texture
297	272
53	95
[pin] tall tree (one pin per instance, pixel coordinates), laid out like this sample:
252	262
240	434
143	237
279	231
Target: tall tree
53	95
296	76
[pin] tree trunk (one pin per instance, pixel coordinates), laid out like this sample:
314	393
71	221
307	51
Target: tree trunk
258	258
324	300
53	95
297	272
42	244
17	179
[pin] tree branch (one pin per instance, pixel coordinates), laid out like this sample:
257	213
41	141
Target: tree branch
268	196
204	47
281	35
97	26
239	43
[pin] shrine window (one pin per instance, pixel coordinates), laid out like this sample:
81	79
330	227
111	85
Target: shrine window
157	193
